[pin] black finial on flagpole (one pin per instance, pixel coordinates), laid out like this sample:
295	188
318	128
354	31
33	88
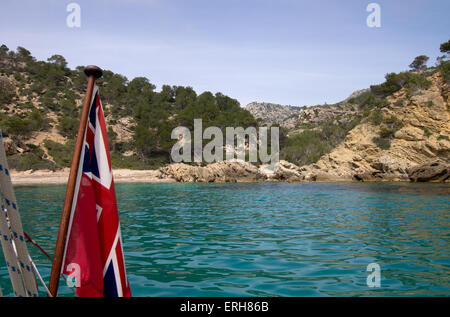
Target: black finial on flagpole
93	70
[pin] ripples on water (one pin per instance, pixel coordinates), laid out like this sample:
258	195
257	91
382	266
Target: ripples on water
267	239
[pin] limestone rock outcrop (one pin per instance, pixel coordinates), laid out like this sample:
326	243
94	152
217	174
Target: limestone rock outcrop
435	171
423	139
225	171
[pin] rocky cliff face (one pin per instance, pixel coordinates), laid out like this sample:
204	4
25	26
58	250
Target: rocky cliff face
290	117
270	113
230	171
421	145
343	112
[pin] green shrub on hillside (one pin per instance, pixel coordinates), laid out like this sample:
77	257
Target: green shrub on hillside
61	153
388	127
419	63
122	147
382	143
27	161
369	100
426	132
35	150
376	117
68	126
416	82
304	148
393	123
394	82
387	133
7	92
307	147
24	126
31	159
444	69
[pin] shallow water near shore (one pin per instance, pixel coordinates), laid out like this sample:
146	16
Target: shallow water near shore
267	239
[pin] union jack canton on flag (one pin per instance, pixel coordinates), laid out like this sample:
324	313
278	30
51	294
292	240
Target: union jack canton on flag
93	254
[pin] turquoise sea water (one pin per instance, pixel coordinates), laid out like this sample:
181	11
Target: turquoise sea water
267	239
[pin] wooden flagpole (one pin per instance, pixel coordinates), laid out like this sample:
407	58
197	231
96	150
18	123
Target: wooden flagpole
93	73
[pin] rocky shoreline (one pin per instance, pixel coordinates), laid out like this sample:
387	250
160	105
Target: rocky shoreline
239	171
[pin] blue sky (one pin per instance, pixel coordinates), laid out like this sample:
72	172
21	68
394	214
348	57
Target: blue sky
281	51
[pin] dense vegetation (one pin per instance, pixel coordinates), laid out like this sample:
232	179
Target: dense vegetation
48	92
309	145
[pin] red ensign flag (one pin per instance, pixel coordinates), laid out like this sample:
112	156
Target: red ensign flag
93	253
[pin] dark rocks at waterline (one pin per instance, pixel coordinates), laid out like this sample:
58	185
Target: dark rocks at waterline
435	171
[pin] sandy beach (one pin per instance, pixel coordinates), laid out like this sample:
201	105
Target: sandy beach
47	177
